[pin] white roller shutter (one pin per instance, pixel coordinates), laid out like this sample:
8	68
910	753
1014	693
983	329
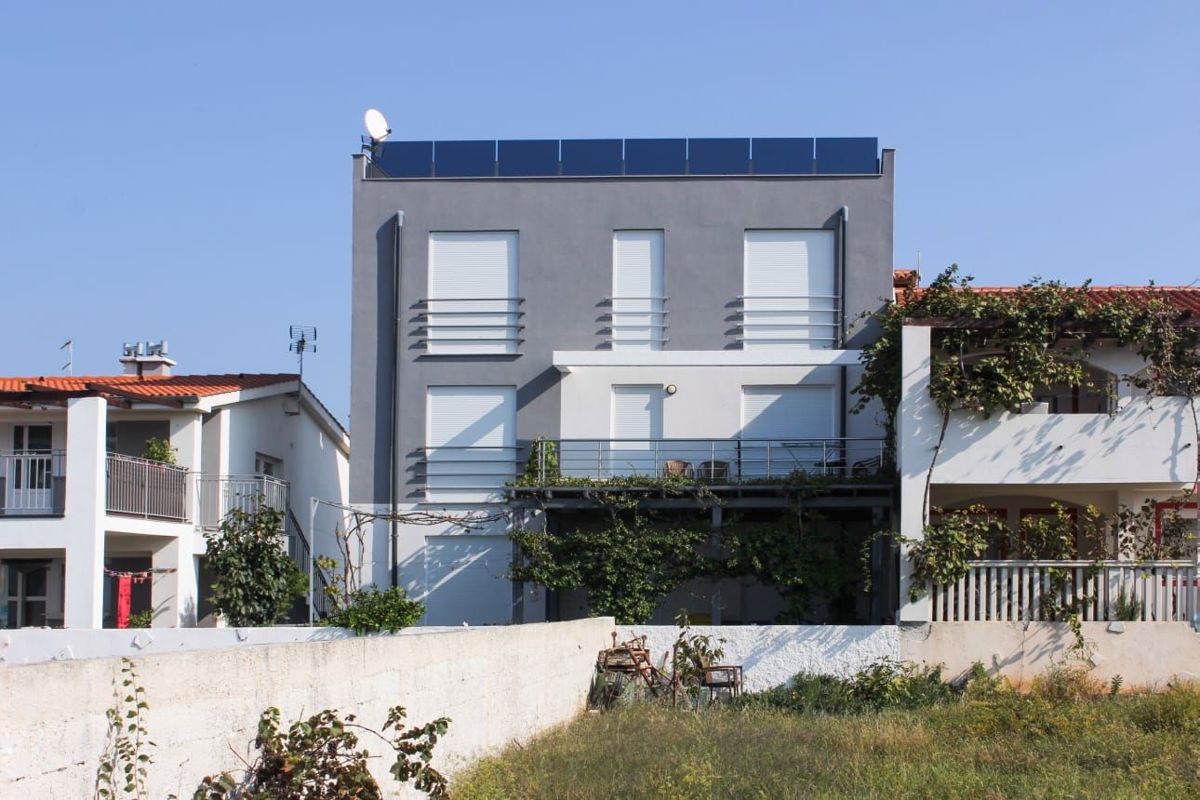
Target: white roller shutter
785	428
470	439
466	580
637	301
790	296
636	415
473	305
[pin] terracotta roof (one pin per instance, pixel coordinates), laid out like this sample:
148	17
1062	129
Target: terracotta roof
1185	298
177	387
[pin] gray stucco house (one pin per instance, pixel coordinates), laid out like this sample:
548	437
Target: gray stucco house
652	306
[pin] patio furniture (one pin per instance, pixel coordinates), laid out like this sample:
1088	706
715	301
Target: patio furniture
714	470
719	677
676	468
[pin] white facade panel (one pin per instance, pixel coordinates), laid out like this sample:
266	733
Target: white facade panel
790	289
472	304
470	439
637	300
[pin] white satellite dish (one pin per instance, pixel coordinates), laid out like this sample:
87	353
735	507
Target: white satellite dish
376	124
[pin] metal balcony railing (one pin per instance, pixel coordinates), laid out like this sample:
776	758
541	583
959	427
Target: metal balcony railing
476	473
143	488
220	494
637	323
787	320
32	482
471	325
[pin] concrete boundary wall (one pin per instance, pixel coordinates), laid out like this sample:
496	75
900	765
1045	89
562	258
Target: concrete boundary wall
772	654
497	684
31	645
1144	654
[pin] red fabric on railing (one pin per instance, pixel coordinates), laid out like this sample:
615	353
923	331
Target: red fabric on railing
124	597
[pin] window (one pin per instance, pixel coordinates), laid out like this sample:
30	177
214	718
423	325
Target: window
790	294
268	465
472	308
470	442
638	312
787	429
637	425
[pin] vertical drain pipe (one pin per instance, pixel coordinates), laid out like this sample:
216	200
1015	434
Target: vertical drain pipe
393	445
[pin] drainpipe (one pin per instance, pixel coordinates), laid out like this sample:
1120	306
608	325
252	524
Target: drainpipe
841	330
393	447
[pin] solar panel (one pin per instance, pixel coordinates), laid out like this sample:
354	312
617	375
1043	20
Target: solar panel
405	159
591	156
775	156
655	156
718	156
528	157
457	159
848	156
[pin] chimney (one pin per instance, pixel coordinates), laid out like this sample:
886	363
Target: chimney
146	359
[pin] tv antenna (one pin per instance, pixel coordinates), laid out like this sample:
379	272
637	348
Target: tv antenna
302	337
69	346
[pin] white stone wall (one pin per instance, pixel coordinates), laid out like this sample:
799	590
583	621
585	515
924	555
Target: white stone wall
772	654
497	685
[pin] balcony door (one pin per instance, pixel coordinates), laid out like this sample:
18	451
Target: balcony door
637	428
787	429
30	480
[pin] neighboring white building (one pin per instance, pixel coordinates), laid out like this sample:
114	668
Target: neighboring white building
1073	447
78	501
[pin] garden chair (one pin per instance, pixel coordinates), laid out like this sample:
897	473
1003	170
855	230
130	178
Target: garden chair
676	468
719	677
714	470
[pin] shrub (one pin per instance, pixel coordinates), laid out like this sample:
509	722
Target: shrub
159	450
371	611
254	579
884	685
1176	710
141	619
318	759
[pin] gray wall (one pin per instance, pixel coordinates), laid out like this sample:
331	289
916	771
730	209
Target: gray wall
565	272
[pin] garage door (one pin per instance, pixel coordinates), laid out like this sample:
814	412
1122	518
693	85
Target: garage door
466	580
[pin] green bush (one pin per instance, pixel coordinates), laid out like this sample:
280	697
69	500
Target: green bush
371	611
1174	711
141	619
885	685
254	579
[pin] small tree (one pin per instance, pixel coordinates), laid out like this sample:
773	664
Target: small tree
254	579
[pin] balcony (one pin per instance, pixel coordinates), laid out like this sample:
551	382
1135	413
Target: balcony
772	321
470	325
481	474
1147	441
138	487
32	483
220	494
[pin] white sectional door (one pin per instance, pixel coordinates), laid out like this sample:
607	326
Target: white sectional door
472	304
637	424
466	580
787	428
470	442
638	312
790	297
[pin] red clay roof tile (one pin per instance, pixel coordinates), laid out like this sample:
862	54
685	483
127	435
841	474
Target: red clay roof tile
170	387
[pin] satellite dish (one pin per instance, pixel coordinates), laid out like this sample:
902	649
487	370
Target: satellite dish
376	124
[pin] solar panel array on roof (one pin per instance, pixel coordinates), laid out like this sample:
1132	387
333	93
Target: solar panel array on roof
616	157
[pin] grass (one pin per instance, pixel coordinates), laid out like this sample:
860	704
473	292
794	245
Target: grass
1065	739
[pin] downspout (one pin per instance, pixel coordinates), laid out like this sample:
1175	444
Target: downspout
841	329
393	446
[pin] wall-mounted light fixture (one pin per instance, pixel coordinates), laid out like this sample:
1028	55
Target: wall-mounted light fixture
672	388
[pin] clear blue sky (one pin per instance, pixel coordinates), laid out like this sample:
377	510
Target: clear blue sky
182	170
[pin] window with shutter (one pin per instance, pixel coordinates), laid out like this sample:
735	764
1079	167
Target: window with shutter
470	442
638	303
790	299
472	308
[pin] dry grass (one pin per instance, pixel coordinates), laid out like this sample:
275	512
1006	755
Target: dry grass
1008	745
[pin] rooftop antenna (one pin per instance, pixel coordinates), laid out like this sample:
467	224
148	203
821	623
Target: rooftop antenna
302	337
69	346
